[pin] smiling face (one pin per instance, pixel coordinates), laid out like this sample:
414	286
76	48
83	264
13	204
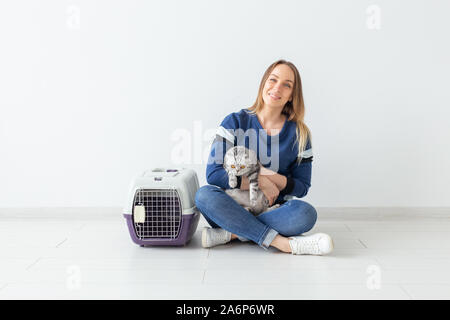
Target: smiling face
279	86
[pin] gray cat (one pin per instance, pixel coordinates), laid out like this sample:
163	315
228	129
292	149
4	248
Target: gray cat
241	161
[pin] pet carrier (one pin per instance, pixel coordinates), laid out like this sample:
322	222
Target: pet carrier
161	207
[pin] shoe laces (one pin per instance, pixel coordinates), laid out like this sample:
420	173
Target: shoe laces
218	236
300	245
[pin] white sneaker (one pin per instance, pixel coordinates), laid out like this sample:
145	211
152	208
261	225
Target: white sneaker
317	244
214	236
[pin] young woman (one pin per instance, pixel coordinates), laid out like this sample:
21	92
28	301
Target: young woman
277	116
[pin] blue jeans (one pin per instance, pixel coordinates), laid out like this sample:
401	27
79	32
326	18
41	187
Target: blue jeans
292	218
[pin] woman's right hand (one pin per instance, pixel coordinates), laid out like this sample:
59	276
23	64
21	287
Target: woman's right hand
269	189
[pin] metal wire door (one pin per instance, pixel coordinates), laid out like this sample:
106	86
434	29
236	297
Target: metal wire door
162	213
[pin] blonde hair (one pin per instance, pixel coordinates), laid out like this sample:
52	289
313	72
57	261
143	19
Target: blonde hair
294	110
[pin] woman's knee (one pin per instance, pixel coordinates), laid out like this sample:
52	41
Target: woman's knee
204	195
303	219
204	201
311	217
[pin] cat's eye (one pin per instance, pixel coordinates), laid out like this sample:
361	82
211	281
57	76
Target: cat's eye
242	167
233	166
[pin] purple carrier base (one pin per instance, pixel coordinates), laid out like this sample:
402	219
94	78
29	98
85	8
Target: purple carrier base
188	226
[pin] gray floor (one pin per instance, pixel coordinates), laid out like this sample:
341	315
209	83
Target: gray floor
394	256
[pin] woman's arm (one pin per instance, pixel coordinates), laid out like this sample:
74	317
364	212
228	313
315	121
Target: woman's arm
224	140
279	180
297	184
215	173
298	181
270	189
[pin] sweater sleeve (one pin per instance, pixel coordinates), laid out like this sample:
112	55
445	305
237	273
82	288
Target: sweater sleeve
224	140
299	177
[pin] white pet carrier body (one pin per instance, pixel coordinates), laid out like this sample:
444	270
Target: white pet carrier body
160	209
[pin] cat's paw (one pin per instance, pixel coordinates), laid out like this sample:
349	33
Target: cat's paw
232	183
253	199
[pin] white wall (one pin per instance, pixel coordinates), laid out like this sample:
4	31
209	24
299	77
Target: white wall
91	93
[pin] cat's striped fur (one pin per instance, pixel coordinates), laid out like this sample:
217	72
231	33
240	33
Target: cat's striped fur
241	161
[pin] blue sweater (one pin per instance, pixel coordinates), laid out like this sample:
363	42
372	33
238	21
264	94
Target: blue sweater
277	152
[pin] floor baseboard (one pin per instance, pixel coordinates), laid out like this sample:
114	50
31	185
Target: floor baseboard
355	213
352	213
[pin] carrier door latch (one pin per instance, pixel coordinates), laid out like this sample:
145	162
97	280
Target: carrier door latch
139	214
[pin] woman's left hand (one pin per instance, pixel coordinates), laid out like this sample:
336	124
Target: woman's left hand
269	189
